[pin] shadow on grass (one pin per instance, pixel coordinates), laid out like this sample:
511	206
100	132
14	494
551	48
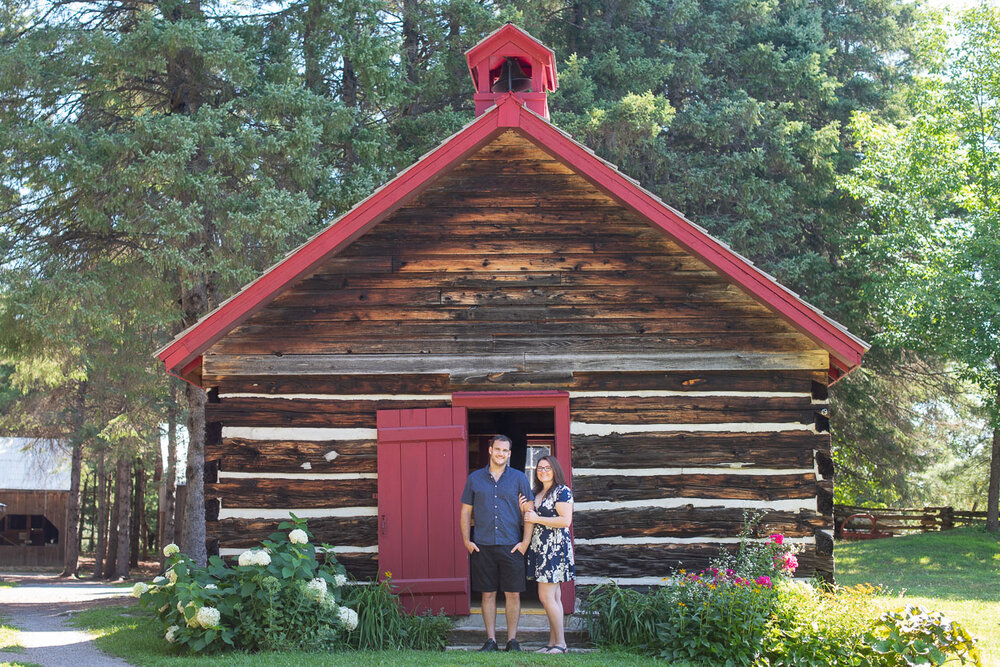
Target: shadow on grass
963	563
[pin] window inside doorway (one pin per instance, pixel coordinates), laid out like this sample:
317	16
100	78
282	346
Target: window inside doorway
531	433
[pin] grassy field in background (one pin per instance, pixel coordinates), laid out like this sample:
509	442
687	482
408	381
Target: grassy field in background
956	572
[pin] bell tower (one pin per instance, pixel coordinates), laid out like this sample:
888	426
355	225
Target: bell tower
510	60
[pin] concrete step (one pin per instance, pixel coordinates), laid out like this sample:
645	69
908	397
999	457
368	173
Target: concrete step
525	648
532	630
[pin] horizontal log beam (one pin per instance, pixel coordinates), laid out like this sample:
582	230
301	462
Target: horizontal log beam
247	533
704	522
744	487
792	449
389	364
259	493
278	456
601	560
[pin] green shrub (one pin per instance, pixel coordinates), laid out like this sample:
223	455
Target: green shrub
277	598
821	625
913	635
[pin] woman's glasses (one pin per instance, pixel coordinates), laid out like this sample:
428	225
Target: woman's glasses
544	469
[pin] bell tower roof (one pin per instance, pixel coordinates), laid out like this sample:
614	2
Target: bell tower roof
510	49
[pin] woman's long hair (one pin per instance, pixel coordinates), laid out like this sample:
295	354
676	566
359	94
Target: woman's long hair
558	478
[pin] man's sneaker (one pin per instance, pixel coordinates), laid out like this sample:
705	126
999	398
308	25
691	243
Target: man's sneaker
513	645
490	645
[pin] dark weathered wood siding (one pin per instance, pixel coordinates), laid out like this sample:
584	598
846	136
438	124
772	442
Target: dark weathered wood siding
514	273
51	505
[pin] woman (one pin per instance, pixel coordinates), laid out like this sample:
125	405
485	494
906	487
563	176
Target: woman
550	553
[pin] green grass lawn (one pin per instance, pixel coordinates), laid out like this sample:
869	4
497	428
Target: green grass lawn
9	637
956	572
127	632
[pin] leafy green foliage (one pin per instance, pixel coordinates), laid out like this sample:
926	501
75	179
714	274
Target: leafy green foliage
383	625
278	598
916	636
717	616
821	626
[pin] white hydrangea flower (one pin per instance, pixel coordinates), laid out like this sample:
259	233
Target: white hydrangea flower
316	589
139	589
211	587
180	607
255	557
171	549
298	536
159	581
330	603
172	576
164	608
171	635
208	617
340	580
348	617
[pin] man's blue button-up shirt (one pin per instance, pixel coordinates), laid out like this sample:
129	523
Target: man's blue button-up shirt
495	509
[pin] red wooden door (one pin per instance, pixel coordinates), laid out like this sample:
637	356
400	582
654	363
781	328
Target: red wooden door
422	467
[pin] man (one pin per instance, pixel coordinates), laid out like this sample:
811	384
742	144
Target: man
497	554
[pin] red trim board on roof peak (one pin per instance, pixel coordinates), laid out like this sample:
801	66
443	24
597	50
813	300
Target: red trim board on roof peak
846	350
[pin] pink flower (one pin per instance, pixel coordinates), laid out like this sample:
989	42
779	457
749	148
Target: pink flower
778	538
730	573
764	581
791	562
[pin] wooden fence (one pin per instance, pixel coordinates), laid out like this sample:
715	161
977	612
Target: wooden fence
897	520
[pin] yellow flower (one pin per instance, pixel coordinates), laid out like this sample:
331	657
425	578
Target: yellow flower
681	604
683	571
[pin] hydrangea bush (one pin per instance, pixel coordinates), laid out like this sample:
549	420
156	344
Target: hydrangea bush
278	597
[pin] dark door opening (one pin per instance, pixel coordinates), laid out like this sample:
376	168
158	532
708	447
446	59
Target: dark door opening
532	435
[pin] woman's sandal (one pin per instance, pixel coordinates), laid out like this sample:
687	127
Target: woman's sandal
544	649
555	650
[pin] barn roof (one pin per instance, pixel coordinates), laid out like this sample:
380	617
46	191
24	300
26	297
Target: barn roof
29	464
181	356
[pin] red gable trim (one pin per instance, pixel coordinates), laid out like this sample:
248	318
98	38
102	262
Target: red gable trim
189	345
846	350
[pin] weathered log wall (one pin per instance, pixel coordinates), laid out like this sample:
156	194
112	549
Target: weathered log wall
690	402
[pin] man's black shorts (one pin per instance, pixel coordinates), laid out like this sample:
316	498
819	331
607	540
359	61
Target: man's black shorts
494	567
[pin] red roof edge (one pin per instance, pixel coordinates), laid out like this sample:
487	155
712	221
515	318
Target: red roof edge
845	349
189	344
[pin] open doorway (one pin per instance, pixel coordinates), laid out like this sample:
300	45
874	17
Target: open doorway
532	435
531	419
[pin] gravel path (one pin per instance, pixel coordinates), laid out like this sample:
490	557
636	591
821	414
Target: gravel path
40	605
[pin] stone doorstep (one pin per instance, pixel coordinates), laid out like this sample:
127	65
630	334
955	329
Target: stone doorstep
525	648
532	630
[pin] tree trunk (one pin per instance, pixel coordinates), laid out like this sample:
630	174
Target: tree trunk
71	545
312	48
100	502
138	514
993	494
411	46
169	475
124	503
83	518
115	504
194	506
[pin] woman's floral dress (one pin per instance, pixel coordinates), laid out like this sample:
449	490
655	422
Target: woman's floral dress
550	552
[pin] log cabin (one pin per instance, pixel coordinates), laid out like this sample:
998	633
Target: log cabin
512	281
34	490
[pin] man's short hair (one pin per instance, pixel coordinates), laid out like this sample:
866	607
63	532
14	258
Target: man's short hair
500	438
